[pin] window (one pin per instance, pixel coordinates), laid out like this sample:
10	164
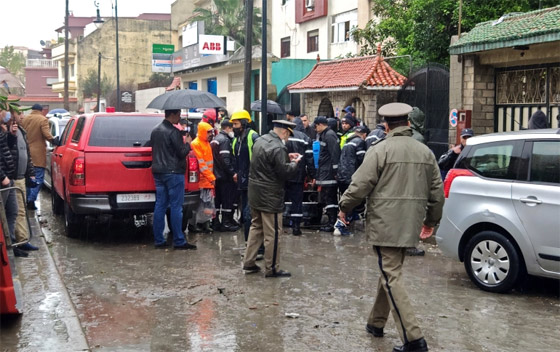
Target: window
545	162
236	82
66	132
78	131
285	47
313	41
51	80
122	131
494	160
341	26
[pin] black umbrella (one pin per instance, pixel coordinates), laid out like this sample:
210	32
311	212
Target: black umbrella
186	99
272	107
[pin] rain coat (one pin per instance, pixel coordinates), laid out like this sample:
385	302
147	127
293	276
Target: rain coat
203	151
400	178
417	120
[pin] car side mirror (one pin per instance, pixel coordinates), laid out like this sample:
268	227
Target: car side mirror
56	141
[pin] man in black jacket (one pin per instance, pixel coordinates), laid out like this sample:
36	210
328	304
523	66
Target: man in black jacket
299	143
17	139
329	156
169	165
224	171
447	160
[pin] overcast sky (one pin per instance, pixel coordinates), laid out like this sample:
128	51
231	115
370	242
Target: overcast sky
27	22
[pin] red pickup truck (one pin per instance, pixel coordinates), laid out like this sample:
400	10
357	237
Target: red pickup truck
103	166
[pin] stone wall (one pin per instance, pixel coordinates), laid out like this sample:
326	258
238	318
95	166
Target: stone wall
366	107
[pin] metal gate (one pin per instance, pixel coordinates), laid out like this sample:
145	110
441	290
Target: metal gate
521	91
428	89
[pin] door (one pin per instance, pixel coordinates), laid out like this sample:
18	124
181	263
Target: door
213	86
56	159
537	203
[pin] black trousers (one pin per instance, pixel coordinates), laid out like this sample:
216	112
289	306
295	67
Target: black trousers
294	194
225	194
328	199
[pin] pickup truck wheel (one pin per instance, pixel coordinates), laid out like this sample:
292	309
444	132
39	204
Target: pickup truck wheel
72	222
57	202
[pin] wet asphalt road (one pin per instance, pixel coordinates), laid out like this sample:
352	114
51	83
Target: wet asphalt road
130	297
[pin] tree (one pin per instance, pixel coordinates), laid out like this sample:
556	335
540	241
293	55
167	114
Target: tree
13	61
89	85
158	79
227	18
423	28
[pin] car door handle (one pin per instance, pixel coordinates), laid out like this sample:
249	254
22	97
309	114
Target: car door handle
531	200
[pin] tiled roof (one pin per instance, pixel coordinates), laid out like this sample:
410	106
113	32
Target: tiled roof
370	72
511	30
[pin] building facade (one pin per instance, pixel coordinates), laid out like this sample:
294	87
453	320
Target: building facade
503	71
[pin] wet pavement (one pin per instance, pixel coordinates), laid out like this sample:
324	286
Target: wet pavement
129	296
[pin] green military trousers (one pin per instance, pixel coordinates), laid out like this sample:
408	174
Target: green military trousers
392	296
265	227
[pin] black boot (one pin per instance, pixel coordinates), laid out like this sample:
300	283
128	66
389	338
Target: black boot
206	227
329	227
228	225
296	231
216	225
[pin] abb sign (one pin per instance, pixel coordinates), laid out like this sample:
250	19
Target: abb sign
212	44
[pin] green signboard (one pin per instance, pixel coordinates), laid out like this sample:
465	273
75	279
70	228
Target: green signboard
163	48
161	57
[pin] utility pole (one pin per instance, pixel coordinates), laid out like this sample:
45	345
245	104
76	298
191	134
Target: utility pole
98	81
248	54
66	102
264	76
117	41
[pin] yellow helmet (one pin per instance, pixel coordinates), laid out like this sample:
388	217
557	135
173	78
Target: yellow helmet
240	115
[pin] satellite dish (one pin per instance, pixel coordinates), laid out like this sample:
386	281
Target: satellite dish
42	42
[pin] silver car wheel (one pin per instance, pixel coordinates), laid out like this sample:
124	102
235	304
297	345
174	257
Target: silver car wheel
490	262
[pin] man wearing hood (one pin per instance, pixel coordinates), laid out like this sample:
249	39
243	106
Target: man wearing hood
417	119
203	151
538	121
377	134
346	124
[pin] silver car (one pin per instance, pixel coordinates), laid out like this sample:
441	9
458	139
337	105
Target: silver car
502	210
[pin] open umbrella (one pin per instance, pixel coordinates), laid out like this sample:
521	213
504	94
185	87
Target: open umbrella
272	107
186	99
58	113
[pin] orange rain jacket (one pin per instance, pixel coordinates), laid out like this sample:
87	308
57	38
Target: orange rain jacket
203	152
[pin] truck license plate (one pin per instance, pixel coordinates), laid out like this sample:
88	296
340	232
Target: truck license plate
136	197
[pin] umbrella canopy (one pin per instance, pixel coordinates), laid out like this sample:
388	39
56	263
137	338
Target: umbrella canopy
272	107
58	113
186	99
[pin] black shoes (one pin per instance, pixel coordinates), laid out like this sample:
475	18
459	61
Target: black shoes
28	247
278	273
376	332
419	345
163	245
415	252
185	246
296	231
31	206
251	269
19	253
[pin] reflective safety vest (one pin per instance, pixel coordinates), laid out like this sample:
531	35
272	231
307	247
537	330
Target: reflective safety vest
344	137
249	144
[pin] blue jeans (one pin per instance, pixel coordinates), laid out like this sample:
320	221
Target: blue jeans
245	214
170	190
33	192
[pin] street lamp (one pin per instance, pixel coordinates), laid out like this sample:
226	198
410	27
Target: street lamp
117	41
99	21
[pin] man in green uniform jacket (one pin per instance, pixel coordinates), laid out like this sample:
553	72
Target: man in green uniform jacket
271	166
400	177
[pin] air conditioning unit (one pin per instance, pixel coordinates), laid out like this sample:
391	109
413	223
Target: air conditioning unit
309	4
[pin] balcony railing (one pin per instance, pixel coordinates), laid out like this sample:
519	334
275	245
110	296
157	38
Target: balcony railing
48	63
